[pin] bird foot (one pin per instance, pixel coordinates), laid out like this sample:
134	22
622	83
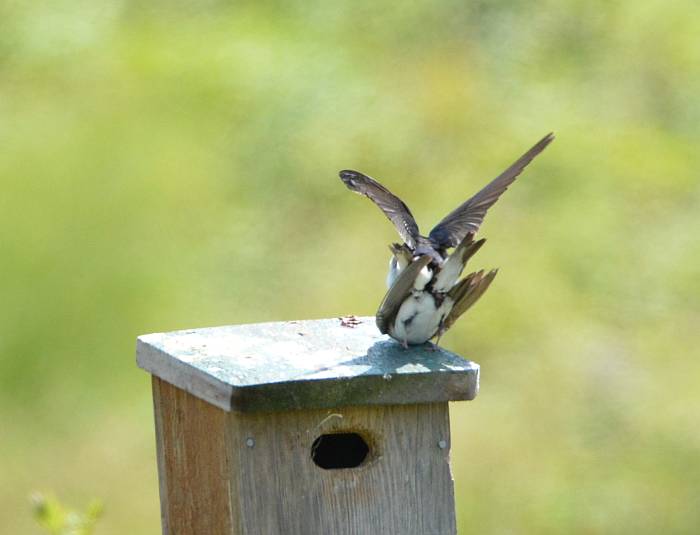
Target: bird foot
436	345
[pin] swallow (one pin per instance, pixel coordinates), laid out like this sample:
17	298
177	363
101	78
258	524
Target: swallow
425	294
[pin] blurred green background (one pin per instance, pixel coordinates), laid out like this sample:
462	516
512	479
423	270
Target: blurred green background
174	164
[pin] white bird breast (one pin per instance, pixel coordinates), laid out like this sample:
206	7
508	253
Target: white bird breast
395	268
393	274
418	318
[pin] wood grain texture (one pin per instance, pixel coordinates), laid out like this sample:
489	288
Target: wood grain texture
405	487
193	463
252	473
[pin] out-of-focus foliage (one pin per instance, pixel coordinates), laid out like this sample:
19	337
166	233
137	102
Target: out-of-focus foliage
174	164
57	520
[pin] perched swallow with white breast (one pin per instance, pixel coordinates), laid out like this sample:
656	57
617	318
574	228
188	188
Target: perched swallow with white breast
425	294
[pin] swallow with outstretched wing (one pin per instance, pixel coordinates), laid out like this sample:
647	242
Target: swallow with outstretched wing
425	294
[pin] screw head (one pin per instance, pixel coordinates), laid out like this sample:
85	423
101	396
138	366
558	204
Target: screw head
442	444
250	442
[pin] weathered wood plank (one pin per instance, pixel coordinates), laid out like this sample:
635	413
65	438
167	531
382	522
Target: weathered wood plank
193	463
404	488
305	364
250	470
252	473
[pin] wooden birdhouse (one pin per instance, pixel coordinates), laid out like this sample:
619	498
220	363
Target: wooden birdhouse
303	427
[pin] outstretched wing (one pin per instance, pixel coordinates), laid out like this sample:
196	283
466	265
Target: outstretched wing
469	215
398	293
393	207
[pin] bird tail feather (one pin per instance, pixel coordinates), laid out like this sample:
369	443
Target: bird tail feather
466	293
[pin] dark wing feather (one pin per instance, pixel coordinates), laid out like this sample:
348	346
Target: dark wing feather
393	207
469	215
466	293
398	293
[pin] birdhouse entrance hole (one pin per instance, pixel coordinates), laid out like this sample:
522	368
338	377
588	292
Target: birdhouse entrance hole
339	450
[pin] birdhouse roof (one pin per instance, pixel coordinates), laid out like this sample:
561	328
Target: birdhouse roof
303	365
